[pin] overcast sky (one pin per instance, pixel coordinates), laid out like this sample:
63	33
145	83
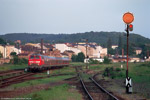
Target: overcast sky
72	16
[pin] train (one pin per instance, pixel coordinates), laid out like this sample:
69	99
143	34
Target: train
38	62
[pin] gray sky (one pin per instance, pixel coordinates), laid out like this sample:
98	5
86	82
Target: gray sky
72	16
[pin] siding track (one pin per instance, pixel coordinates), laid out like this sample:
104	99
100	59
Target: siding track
94	90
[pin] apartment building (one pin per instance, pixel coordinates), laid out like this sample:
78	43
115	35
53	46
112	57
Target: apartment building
66	46
6	50
93	51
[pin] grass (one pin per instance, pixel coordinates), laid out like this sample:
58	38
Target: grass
139	72
62	92
40	81
101	67
6	67
77	64
65	70
85	77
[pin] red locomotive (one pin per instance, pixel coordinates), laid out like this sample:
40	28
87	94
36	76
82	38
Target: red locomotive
40	62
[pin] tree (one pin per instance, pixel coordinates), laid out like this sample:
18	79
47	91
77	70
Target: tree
74	58
109	43
80	57
13	54
120	42
1	55
106	60
15	60
111	51
145	50
2	41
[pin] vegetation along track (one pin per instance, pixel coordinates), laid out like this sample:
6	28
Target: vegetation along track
94	90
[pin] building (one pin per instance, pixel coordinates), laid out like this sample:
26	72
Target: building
67	46
114	46
25	55
138	50
124	59
64	55
37	46
62	47
103	52
148	59
93	51
7	49
119	59
134	59
54	53
69	53
2	61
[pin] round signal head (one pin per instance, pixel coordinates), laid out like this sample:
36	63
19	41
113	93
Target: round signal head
128	18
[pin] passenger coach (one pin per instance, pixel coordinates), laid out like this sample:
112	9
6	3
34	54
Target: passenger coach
40	62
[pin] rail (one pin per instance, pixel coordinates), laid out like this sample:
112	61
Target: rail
91	98
112	96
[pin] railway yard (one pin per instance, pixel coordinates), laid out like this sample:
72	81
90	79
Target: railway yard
75	82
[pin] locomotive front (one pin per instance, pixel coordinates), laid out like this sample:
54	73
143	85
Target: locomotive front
35	62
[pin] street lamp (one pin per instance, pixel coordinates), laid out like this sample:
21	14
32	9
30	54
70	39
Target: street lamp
128	18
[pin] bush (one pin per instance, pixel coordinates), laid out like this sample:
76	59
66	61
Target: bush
78	58
106	60
110	72
23	61
74	58
118	69
19	61
93	61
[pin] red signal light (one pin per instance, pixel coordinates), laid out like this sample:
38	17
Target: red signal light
130	27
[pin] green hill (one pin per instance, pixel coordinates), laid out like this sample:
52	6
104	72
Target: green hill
98	37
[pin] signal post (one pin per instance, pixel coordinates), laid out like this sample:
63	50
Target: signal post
128	18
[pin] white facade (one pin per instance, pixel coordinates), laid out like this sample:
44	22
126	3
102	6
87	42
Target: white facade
97	52
114	46
75	50
93	52
104	51
98	59
6	50
63	47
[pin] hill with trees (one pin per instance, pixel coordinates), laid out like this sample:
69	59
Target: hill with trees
98	37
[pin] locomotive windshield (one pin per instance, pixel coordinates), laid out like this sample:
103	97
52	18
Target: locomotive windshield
37	57
31	57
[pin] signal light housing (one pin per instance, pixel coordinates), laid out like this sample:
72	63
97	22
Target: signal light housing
130	27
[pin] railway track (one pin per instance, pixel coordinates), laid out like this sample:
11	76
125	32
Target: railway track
15	79
10	72
93	90
22	78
